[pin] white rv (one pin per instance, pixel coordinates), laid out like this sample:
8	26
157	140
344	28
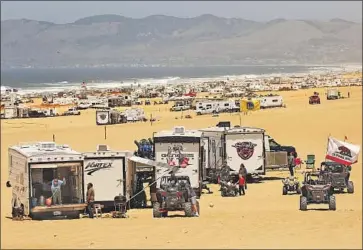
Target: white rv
32	167
106	170
215	107
246	145
271	101
181	148
213	145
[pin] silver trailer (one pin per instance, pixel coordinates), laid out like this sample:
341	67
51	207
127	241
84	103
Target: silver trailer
32	167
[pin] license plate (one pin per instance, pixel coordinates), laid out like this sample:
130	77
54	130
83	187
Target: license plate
55	213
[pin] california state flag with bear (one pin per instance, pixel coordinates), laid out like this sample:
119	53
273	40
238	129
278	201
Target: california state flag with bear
342	152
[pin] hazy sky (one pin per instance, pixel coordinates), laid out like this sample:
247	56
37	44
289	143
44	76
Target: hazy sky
65	12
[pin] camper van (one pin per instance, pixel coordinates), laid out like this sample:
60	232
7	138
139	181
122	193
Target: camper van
106	170
32	167
271	102
181	148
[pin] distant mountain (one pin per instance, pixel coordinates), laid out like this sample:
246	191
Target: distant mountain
166	40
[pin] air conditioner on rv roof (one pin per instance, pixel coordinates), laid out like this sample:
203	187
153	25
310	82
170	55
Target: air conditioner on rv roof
102	147
179	130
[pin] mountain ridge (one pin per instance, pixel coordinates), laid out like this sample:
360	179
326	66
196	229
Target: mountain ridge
168	40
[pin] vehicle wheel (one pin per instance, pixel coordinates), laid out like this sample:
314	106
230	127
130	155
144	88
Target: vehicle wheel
284	190
309	102
303	203
188	209
332	203
350	187
223	194
156	210
298	190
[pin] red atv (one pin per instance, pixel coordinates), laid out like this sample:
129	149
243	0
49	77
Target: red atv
314	99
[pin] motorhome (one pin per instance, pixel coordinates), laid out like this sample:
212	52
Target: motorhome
181	148
106	170
271	101
33	166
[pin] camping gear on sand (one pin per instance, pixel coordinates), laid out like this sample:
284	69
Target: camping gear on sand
48	201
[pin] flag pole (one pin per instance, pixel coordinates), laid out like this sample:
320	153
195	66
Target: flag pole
327	146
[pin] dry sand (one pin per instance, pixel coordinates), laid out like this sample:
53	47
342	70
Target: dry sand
262	219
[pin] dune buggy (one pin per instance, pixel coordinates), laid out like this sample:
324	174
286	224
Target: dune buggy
291	184
337	175
316	191
173	196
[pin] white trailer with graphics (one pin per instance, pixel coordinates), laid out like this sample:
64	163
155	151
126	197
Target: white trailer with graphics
246	145
33	166
106	170
182	148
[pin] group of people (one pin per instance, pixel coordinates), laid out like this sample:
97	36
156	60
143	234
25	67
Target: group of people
242	177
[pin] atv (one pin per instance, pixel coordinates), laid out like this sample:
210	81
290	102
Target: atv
316	191
173	196
291	184
230	186
337	175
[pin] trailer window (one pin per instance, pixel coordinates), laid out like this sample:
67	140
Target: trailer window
275	100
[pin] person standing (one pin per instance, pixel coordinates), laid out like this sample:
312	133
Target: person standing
291	163
243	173
193	199
90	199
241	185
56	190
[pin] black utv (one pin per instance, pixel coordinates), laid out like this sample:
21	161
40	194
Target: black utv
316	191
337	175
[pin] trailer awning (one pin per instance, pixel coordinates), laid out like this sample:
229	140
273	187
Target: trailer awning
43	166
148	162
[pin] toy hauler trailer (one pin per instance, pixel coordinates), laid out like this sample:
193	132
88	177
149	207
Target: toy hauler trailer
32	167
106	170
271	102
182	148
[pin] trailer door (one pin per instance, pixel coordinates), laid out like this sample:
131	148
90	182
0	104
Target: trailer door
205	156
247	149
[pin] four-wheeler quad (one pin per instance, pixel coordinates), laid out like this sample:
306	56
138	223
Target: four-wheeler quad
316	191
173	196
337	175
291	184
230	187
314	99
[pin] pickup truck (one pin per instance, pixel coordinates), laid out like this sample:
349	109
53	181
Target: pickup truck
72	111
274	146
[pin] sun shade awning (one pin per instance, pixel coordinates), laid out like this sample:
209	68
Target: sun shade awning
148	162
43	166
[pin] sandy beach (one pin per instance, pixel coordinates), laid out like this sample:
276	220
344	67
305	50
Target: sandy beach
264	218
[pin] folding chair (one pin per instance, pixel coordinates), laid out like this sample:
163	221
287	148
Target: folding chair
310	162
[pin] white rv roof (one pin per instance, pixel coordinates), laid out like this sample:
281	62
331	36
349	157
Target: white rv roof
43	148
214	129
245	130
187	133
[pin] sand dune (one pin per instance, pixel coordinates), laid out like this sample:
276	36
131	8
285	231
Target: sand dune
262	219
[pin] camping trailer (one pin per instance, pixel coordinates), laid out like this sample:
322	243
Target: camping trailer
182	148
245	145
272	101
106	170
32	167
213	139
106	117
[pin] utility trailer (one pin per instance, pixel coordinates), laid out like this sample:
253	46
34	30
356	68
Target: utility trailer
106	170
246	145
32	167
182	148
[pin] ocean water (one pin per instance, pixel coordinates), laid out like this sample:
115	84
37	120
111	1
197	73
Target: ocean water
34	80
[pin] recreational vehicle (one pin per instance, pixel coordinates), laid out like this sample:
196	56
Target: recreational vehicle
106	170
183	149
33	166
271	101
246	145
106	117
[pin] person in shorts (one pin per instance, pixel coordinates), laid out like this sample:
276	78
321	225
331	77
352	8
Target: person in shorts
193	199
